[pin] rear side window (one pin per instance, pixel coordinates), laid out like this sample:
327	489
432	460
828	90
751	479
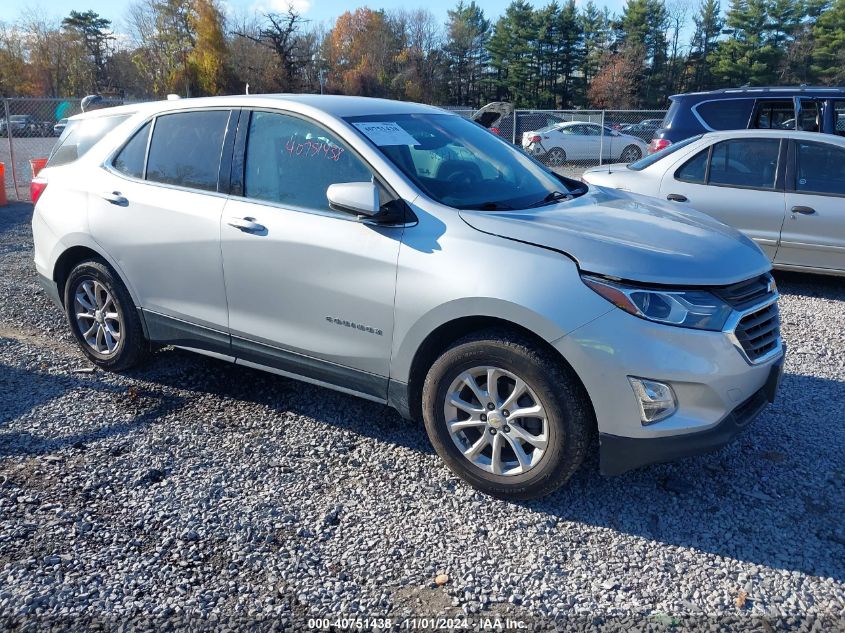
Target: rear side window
80	135
821	168
745	163
130	160
185	148
726	114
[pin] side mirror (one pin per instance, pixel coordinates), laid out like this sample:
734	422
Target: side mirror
360	198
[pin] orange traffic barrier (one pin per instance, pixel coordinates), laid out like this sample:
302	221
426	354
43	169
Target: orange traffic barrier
3	200
37	164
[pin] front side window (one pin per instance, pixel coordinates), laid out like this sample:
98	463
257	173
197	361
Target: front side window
839	118
808	117
130	159
185	148
459	164
293	161
821	168
80	135
695	169
774	115
745	163
726	114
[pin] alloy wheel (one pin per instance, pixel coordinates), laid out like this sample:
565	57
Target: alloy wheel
496	420
97	317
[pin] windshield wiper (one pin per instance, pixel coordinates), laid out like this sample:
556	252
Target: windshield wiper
554	196
487	206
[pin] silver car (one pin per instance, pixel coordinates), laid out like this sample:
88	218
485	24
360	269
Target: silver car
403	254
784	189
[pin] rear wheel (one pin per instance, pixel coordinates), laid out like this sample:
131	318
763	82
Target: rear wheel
631	153
103	317
556	157
506	416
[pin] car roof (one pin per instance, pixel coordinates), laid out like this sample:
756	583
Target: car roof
752	91
793	134
336	105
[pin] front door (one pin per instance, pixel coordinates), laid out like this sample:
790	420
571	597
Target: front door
161	220
734	181
310	290
814	232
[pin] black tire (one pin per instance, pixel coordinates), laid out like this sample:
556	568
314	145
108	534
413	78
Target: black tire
132	346
568	410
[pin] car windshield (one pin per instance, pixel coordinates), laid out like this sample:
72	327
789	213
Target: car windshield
460	164
649	160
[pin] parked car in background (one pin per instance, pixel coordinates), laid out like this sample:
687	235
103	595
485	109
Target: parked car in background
59	127
562	142
805	108
22	125
392	251
784	189
644	129
498	118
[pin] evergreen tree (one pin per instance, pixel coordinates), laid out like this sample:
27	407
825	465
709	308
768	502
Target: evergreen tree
708	26
467	34
829	36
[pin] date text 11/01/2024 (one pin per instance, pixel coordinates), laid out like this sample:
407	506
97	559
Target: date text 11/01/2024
415	623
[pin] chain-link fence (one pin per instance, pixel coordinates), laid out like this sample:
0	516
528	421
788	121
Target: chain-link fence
569	141
28	130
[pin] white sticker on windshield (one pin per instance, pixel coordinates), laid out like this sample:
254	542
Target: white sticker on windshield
386	133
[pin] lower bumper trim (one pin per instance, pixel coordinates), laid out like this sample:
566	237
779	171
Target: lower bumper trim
621	454
51	289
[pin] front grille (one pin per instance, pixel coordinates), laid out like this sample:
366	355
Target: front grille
746	294
759	332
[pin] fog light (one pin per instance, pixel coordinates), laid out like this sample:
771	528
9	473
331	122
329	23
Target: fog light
657	400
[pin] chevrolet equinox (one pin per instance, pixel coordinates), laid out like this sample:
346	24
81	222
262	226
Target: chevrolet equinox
404	254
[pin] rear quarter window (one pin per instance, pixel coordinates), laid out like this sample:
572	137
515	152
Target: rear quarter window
726	114
80	135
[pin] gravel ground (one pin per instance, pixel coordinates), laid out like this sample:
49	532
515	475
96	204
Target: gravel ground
191	488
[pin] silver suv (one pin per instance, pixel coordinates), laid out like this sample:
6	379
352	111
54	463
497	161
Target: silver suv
403	254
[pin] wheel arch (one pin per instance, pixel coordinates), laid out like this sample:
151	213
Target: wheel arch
443	336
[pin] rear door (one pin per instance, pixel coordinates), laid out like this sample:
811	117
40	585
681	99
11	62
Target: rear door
157	209
813	234
737	181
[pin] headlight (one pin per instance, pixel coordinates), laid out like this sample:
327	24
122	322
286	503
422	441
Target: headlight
697	309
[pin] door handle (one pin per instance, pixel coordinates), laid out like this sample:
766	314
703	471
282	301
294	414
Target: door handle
676	197
115	197
247	225
803	210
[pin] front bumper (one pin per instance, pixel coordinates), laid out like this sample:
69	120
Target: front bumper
718	391
621	454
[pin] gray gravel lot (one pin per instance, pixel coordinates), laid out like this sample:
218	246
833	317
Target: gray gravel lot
25	148
191	487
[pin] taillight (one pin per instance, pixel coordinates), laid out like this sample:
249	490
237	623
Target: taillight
36	188
535	139
658	144
495	130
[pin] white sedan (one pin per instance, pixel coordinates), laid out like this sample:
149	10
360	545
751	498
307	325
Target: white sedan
784	189
576	140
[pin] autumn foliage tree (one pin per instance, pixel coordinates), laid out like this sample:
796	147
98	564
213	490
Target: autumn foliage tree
615	86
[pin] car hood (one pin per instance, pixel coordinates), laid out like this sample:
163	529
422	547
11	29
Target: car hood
632	237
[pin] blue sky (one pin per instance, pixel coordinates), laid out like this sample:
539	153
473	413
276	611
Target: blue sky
316	10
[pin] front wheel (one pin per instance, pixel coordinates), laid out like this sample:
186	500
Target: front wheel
631	154
506	416
102	317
